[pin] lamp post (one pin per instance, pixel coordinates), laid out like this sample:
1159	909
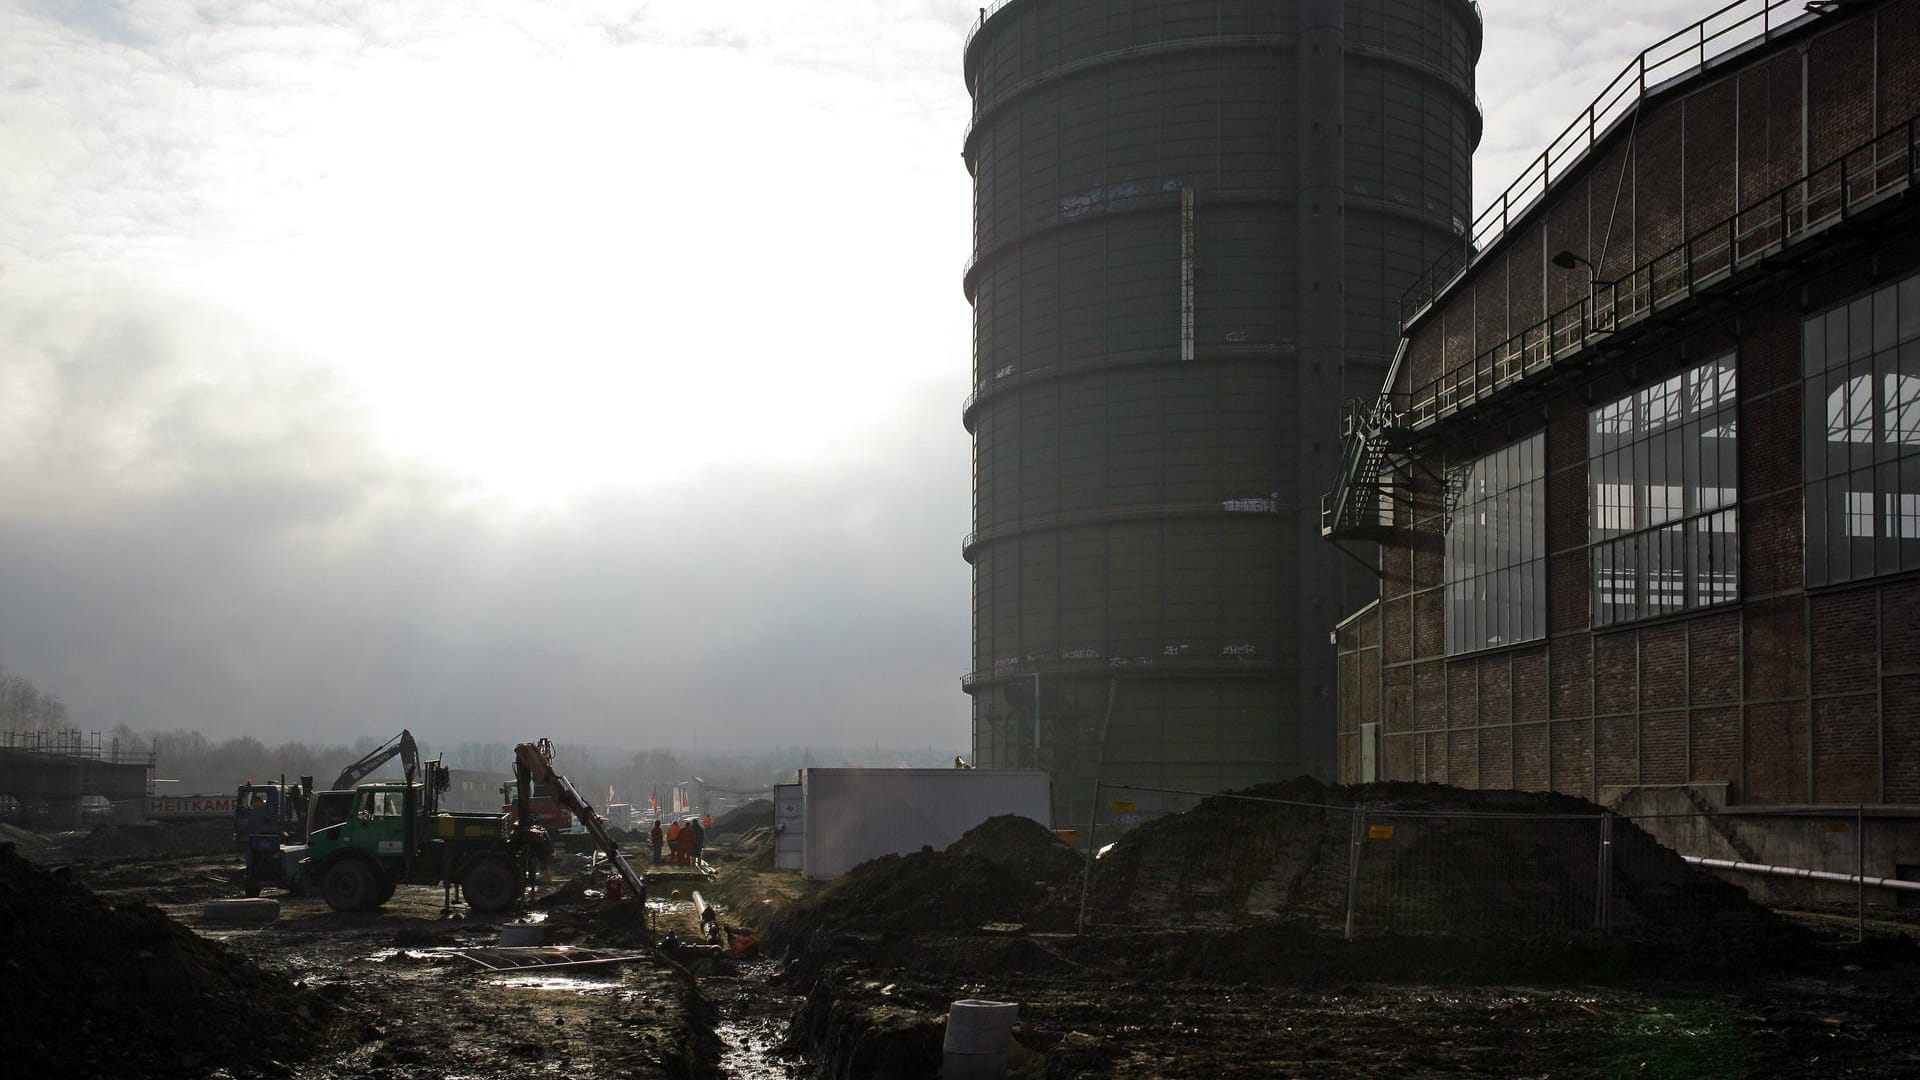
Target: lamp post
1567	260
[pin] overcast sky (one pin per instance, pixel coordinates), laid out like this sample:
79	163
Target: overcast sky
588	369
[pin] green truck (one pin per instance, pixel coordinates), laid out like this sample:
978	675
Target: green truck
364	842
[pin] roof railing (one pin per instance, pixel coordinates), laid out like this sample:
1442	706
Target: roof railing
989	11
1881	167
1730	29
986	13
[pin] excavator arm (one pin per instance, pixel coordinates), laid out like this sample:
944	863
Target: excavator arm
534	761
401	745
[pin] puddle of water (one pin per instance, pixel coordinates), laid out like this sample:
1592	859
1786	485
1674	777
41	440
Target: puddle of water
420	956
746	1051
577	983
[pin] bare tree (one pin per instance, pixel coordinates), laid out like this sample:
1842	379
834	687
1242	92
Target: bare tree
25	708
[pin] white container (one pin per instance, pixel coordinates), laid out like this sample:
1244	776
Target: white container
978	1036
852	815
522	935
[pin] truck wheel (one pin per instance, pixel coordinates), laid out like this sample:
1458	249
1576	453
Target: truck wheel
385	893
491	885
350	885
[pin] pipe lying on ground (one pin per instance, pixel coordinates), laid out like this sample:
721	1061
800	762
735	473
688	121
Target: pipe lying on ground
1803	874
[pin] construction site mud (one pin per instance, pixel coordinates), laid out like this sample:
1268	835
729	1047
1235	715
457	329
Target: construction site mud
854	978
112	969
1715	987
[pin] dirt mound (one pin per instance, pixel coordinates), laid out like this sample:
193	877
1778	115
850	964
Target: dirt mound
740	819
925	891
124	991
155	838
1023	847
28	844
754	848
1432	860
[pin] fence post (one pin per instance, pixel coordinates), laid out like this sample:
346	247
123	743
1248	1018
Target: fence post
1603	878
1860	869
1353	863
1086	872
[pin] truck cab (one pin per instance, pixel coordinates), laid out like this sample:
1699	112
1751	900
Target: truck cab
371	818
269	821
364	842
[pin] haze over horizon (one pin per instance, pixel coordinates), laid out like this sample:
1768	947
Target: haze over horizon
507	369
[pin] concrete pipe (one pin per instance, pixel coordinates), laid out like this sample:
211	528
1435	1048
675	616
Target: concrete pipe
978	1033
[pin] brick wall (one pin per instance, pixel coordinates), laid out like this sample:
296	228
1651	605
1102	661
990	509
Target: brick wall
1693	157
1357	653
1784	697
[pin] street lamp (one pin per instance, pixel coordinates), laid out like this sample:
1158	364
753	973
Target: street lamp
1567	260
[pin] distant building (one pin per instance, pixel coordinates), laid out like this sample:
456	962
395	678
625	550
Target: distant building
1645	474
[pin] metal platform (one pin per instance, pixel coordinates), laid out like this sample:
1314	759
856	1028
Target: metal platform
545	958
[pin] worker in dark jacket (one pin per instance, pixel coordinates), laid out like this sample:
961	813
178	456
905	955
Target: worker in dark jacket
698	837
656	838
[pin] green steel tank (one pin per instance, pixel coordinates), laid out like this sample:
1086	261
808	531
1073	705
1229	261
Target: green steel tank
1194	221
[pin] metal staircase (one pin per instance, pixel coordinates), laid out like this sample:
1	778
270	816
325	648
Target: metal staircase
1357	507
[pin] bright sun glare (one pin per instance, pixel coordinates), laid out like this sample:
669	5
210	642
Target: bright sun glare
546	273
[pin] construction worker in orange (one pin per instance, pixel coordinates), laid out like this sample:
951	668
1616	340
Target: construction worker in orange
707	821
673	843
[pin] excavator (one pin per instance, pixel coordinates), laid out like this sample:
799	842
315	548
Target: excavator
401	746
367	841
533	763
271	821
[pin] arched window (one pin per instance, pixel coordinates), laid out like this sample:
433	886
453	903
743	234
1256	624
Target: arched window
1663	467
1861	436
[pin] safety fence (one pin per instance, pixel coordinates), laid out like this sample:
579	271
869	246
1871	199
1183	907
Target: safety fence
1504	864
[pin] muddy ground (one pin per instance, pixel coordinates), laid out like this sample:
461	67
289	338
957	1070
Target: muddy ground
880	955
397	1002
860	988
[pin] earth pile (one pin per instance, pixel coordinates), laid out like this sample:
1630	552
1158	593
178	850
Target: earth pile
1024	848
155	839
925	891
1432	859
744	818
99	989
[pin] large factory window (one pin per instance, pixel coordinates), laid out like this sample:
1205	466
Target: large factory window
1496	548
1664	464
1862	436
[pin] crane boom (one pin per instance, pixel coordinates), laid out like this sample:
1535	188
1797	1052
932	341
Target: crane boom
401	745
534	761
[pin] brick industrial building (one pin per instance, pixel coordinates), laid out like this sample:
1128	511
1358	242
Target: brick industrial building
1645	474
